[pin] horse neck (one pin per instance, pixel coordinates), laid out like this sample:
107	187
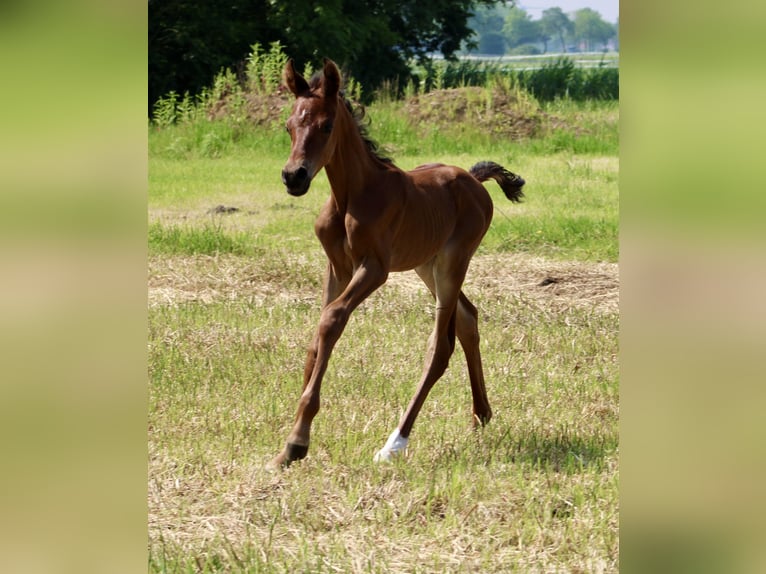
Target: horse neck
352	164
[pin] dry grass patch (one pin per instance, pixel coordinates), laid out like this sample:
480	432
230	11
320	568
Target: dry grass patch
210	278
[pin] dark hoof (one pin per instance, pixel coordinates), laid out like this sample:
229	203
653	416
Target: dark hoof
481	420
291	453
296	451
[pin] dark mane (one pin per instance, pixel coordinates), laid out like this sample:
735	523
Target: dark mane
362	123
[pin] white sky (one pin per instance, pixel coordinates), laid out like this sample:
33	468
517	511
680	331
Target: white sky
609	9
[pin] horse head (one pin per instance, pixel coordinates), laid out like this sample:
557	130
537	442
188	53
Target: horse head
310	125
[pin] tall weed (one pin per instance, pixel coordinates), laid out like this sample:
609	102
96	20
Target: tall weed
165	110
264	68
169	110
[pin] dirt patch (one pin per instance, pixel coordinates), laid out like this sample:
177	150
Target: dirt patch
555	284
260	109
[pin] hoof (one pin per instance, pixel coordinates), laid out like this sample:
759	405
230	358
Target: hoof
276	464
386	455
480	421
289	454
394	447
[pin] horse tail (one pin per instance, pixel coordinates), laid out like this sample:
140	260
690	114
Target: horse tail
510	183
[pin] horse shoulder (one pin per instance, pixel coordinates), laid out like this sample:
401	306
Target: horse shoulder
330	229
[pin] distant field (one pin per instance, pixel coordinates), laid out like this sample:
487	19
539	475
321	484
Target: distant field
233	301
533	62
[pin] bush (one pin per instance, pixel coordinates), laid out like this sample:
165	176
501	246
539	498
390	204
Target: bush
562	79
602	84
558	79
492	43
525	50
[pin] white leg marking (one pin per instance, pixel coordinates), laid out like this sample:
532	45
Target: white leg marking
395	445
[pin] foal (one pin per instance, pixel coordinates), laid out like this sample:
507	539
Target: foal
379	219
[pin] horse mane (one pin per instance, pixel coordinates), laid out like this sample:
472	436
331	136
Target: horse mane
360	119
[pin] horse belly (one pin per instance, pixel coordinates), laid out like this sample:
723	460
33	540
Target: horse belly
444	203
407	255
422	233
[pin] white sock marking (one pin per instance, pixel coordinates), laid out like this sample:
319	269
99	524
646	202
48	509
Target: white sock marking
395	445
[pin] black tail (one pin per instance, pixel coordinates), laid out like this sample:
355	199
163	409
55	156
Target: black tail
510	183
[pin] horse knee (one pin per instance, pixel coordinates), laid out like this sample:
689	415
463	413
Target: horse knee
311	358
332	322
309	404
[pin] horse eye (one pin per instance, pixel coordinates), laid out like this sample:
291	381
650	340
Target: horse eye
287	128
327	128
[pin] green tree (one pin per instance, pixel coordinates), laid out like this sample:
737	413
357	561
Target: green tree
591	29
554	23
191	40
519	28
487	24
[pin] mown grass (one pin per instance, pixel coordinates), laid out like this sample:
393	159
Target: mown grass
535	490
234	300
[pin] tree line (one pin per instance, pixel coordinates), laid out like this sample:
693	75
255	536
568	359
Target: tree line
374	40
507	29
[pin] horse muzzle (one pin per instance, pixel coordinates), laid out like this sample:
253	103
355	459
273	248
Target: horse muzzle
297	181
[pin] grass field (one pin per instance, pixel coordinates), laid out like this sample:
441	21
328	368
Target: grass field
234	299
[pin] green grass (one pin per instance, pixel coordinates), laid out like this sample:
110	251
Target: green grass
192	240
570	210
234	300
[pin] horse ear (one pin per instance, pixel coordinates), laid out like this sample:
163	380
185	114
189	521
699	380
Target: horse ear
331	81
296	83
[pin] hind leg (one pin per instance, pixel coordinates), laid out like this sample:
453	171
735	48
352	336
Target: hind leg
467	328
444	281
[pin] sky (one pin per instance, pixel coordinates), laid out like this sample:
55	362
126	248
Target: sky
609	9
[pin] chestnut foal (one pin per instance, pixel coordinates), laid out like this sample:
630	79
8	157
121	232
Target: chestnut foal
379	219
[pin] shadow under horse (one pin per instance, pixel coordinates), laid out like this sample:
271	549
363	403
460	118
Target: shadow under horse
379	219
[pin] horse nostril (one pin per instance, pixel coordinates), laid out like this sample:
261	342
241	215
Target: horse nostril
296	177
